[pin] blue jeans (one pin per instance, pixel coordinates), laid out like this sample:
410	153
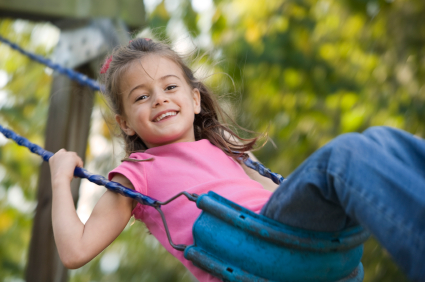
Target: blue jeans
375	179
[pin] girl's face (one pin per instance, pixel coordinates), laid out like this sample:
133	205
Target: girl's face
159	105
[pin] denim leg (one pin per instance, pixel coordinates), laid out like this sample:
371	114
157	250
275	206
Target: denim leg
376	179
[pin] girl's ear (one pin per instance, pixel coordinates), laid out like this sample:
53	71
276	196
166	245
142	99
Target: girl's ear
196	100
124	125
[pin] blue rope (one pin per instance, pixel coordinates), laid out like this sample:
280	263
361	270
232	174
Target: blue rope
81	172
264	171
80	78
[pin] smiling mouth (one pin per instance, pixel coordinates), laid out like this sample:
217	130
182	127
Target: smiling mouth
165	116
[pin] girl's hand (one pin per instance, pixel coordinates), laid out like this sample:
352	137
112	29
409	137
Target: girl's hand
63	163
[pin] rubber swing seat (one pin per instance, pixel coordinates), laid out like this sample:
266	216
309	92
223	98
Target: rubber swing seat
236	244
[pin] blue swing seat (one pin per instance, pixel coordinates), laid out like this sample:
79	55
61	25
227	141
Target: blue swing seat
236	244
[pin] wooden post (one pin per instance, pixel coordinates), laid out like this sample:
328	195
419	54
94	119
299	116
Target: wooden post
67	127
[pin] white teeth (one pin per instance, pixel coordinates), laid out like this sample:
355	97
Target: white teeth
165	115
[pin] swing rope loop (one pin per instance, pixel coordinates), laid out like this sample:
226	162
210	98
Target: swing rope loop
191	197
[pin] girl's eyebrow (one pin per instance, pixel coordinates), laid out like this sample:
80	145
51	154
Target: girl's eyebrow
143	85
168	75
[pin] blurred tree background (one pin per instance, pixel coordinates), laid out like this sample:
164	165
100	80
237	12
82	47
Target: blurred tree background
304	71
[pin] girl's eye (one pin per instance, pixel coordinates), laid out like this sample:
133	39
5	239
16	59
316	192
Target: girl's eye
171	87
143	97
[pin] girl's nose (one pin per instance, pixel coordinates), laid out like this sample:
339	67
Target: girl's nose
160	98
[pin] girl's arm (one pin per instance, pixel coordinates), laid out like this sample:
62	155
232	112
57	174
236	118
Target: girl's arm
78	243
267	183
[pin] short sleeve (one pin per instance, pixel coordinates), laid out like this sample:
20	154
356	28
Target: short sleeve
135	173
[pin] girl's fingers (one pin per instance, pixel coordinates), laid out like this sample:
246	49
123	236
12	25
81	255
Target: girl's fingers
64	157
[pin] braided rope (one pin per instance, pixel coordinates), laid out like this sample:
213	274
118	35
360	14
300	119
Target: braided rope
81	172
264	171
79	77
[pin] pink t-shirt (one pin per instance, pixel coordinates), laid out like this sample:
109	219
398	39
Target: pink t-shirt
195	167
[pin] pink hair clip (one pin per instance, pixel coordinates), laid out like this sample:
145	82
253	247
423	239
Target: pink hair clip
105	66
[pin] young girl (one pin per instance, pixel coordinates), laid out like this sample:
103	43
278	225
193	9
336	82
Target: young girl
175	142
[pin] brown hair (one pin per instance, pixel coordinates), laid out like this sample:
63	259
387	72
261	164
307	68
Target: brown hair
207	123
